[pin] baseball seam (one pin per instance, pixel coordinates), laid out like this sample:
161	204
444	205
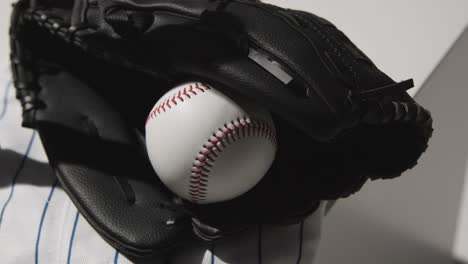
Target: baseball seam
220	139
187	92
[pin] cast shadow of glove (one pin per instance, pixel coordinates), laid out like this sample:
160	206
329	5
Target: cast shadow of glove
17	168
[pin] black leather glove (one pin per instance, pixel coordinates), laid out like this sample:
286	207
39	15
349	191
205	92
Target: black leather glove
88	72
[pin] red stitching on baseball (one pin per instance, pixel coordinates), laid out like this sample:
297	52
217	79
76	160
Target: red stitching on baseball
216	143
229	133
191	90
171	101
186	93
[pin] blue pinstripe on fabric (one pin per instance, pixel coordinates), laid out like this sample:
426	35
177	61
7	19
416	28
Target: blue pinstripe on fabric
72	237
15	177
8	87
212	250
44	212
116	257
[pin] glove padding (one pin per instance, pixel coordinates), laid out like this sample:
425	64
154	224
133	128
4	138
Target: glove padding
87	75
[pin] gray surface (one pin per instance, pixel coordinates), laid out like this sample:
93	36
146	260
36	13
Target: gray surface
412	219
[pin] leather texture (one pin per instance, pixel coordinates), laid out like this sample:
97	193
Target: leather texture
88	72
101	164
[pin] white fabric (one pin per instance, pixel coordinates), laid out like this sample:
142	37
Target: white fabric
39	223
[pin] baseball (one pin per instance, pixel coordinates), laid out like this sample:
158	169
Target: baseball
207	148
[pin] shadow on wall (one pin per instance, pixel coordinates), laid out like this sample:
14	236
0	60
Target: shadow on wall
361	239
412	219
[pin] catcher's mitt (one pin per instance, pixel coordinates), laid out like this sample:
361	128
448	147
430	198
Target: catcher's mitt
78	65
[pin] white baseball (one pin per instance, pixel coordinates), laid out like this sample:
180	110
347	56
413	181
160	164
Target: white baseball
205	147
